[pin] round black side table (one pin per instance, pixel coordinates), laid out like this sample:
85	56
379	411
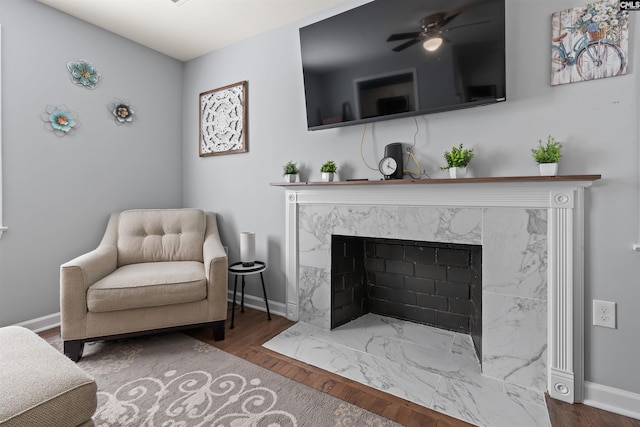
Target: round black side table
238	269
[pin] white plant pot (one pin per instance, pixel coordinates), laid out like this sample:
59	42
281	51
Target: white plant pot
548	169
291	177
457	172
327	176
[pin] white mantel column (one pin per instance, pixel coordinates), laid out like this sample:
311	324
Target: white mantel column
566	294
291	258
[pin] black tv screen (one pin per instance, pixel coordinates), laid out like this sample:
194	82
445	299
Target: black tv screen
371	63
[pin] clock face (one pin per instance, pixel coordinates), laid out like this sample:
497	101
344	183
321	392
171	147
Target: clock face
388	166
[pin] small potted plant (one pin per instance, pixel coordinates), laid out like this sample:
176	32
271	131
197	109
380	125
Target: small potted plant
457	160
327	170
290	171
547	156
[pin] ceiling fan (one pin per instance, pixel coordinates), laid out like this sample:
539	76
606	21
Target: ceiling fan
431	33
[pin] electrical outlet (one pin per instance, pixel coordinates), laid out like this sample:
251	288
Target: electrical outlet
604	313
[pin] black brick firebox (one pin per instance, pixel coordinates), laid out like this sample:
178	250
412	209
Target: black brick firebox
437	284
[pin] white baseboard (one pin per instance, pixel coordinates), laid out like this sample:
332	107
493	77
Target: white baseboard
612	399
43	323
257	303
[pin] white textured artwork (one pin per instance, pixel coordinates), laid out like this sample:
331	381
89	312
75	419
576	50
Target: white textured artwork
223	120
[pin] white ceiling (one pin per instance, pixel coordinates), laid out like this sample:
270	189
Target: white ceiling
189	28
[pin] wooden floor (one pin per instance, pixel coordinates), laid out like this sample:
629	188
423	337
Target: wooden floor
252	330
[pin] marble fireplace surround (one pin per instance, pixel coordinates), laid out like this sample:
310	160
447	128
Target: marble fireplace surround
531	230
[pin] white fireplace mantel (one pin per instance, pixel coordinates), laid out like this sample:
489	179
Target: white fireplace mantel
563	199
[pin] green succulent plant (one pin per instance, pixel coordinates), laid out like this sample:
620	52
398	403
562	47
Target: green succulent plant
549	152
329	166
290	168
458	157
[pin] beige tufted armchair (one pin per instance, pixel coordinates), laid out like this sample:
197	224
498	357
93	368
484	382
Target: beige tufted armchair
155	270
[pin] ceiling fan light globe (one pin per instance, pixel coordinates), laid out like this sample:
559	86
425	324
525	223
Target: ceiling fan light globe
432	44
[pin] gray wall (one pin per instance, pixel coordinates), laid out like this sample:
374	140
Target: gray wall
597	122
58	192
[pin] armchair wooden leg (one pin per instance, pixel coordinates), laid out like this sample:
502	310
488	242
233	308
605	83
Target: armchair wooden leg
73	349
218	330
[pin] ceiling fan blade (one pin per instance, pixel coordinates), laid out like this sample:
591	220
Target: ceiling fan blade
466	25
449	18
407	44
403	36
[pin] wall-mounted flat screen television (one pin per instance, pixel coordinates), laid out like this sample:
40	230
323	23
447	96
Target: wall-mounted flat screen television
398	58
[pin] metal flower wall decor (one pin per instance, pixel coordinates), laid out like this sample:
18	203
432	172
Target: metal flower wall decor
60	120
122	111
84	74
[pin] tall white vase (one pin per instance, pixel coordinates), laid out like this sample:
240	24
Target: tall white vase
247	248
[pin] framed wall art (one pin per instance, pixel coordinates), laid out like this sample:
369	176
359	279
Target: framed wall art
223	120
589	42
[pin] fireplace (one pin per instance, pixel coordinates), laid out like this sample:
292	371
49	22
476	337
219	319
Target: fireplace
531	233
436	284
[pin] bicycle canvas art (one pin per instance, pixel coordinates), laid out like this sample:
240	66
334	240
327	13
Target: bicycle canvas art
589	42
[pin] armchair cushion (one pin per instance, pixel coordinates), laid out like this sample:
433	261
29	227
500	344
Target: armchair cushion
150	284
160	235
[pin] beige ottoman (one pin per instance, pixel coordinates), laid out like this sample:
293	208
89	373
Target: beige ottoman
39	386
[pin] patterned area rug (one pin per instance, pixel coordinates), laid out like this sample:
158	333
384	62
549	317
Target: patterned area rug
176	380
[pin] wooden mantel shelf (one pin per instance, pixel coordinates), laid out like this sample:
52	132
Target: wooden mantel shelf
495	179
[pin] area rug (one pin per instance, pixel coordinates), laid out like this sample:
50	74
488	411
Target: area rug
176	380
